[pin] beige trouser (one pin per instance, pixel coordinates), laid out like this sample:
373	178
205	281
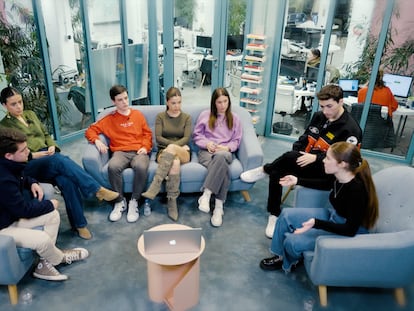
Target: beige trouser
42	241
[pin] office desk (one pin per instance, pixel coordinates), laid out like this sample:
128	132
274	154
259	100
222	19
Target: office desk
404	113
173	278
304	93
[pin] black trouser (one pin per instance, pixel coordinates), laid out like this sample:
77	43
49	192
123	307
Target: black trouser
286	165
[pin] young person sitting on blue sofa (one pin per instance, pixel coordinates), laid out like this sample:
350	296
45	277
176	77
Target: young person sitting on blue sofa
22	212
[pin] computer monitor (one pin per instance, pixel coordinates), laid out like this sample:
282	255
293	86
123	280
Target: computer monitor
292	68
203	42
348	85
400	85
235	42
311	74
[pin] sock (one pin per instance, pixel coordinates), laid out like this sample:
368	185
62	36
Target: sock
219	203
207	193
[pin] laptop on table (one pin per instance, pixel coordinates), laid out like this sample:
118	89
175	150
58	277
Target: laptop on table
170	245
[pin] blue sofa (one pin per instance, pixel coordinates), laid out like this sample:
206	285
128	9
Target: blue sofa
16	261
384	258
249	155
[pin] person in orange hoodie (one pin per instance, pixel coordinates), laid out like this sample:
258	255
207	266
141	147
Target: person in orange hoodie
381	95
130	142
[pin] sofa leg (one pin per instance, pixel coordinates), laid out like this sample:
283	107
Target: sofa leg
246	195
400	296
323	295
13	294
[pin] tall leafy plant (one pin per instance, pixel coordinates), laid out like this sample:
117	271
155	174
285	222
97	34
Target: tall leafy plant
23	63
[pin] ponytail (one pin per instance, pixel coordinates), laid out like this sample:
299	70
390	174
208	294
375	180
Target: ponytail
364	173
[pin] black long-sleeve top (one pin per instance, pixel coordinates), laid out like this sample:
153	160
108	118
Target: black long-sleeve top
321	134
13	205
351	202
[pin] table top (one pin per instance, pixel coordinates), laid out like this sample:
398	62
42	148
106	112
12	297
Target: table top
169	259
403	111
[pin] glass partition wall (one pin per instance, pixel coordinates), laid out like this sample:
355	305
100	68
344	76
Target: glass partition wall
346	57
70	52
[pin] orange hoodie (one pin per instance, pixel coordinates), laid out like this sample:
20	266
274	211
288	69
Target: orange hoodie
126	133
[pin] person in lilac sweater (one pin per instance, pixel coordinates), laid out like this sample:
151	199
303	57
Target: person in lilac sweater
217	133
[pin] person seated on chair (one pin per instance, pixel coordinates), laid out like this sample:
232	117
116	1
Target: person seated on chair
172	133
332	124
217	133
22	209
130	142
353	197
47	164
381	95
314	58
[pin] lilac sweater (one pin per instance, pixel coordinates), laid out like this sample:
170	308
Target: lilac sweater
221	134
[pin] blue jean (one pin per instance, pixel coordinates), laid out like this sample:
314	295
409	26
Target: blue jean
71	179
291	246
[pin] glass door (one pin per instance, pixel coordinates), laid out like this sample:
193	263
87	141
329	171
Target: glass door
200	45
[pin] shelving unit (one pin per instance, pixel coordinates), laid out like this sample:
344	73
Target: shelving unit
252	76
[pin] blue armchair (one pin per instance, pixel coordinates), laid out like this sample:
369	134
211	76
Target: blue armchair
382	259
16	261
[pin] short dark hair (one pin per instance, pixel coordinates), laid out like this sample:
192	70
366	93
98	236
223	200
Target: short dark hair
9	138
331	91
316	52
116	90
7	92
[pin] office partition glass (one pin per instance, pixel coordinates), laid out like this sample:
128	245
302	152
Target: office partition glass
21	63
193	31
64	32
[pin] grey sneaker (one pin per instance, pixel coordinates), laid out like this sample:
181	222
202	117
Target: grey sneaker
75	254
46	271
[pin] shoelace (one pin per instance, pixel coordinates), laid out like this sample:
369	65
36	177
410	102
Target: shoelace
50	267
70	256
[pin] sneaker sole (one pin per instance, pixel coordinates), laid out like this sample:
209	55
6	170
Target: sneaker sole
129	219
61	277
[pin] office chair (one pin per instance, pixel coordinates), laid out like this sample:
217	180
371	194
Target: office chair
379	130
77	94
189	71
286	103
206	68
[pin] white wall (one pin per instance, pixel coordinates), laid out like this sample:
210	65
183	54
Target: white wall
59	33
204	16
361	15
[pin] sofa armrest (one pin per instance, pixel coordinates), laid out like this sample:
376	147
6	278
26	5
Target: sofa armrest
93	161
250	152
367	260
307	197
8	258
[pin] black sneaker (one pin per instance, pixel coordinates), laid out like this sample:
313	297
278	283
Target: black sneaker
272	263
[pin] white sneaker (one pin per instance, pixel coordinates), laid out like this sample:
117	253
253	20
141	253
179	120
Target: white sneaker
46	271
253	175
204	204
217	218
133	214
271	224
116	213
74	254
